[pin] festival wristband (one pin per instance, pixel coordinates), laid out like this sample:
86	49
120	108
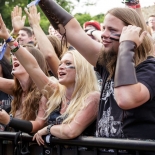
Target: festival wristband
14	47
3	48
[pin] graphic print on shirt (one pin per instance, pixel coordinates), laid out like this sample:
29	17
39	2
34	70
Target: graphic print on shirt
107	125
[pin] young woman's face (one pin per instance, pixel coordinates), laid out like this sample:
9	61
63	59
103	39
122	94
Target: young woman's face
17	69
66	71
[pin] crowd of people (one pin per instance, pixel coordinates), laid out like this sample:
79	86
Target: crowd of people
98	82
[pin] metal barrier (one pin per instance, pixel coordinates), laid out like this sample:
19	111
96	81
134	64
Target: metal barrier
91	142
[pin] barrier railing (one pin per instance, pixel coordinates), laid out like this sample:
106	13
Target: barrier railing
93	142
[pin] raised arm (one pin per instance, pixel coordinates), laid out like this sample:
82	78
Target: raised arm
18	21
44	44
6	85
136	93
76	36
26	59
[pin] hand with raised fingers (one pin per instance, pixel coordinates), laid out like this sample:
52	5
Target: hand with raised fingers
132	33
33	15
4	34
18	21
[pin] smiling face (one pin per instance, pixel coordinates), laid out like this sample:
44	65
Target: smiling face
151	23
66	71
23	37
111	25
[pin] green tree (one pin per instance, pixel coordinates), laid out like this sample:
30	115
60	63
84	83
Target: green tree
6	6
82	18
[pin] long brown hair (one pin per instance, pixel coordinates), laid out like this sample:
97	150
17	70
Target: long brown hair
31	104
129	17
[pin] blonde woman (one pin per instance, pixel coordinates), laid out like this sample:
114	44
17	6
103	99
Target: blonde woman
73	98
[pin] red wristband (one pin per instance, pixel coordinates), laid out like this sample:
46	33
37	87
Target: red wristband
138	6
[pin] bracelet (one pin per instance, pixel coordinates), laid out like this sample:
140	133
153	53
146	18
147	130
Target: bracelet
14	47
3	49
11	117
10	39
15	44
48	128
138	6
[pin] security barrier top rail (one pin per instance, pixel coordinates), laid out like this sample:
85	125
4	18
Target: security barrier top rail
90	141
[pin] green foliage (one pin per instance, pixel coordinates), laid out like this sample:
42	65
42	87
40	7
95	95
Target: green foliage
6	6
99	18
82	18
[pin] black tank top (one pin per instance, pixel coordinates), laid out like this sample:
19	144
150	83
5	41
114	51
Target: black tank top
54	118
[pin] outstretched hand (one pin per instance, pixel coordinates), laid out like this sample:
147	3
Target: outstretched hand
33	16
132	33
18	21
4	34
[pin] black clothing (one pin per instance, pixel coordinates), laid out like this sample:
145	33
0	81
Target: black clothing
55	118
5	101
117	123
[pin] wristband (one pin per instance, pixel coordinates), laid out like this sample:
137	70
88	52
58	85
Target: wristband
48	128
138	6
10	39
14	47
22	125
11	117
3	48
15	44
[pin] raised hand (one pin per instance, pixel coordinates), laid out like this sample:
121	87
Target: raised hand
4	34
132	33
33	16
18	21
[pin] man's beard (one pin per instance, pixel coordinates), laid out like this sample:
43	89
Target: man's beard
108	58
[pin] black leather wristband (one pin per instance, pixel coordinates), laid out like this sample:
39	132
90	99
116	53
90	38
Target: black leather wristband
55	13
125	73
21	125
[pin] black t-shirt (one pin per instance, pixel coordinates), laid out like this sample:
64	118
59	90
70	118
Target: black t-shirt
136	123
5	101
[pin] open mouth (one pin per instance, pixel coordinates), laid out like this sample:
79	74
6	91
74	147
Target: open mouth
61	74
15	64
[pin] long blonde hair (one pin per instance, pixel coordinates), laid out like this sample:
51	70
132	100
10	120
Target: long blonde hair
85	82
